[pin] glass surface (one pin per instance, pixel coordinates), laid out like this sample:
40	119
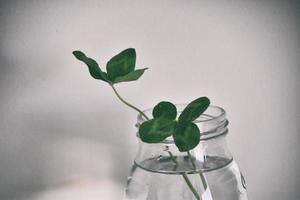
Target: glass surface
161	172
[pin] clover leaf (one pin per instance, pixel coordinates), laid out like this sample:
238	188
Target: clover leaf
194	109
131	76
156	130
121	64
165	109
187	133
93	66
186	136
120	68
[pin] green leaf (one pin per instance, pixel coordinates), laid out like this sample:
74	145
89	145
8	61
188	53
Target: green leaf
194	109
131	76
94	69
156	130
121	64
186	136
165	109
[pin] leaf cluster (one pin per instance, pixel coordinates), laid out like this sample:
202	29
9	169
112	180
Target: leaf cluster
185	132
120	68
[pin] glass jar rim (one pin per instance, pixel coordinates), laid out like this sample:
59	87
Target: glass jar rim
212	123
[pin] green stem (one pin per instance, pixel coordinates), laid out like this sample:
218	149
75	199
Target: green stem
200	172
186	178
172	157
128	104
188	182
191	159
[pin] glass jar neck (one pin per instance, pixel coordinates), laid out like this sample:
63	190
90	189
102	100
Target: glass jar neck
210	154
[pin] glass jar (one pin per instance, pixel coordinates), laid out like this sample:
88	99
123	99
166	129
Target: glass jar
161	172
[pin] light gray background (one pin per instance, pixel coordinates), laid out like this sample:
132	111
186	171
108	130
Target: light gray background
57	123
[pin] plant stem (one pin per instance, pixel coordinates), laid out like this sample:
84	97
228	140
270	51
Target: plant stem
173	158
200	172
188	182
128	104
191	158
186	178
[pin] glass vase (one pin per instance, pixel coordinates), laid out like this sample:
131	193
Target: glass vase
161	172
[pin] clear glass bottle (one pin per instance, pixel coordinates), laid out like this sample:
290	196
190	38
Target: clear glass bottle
161	172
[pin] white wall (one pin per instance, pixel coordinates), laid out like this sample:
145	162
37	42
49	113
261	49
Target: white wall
56	122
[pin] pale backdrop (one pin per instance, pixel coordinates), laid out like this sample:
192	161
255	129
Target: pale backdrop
63	133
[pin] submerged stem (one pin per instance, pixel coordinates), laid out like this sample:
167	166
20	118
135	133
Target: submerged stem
186	178
173	158
128	104
200	172
188	182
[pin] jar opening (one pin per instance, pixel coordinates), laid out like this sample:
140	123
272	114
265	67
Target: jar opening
212	122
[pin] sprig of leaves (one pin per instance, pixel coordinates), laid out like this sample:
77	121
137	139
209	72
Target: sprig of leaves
185	132
121	68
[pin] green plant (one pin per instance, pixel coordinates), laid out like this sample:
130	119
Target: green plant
186	134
